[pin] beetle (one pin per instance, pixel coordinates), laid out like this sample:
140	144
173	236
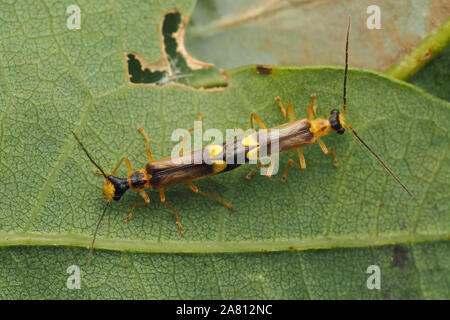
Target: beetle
219	158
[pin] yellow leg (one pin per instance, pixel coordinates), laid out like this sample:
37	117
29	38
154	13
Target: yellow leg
186	135
195	189
302	164
259	165
289	112
146	201
314	101
147	146
312	109
163	200
127	162
310	112
258	121
327	151
271	165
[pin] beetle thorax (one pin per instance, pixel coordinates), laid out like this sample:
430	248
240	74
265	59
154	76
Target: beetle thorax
320	127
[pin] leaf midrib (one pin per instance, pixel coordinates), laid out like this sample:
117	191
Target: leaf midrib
208	246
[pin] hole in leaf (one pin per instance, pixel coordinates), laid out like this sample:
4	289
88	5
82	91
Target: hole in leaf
137	75
177	66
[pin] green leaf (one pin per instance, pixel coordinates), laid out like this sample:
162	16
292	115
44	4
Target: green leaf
314	209
67	80
303	32
418	271
356	205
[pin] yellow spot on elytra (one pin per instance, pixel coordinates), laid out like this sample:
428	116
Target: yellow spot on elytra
253	154
214	150
249	141
218	165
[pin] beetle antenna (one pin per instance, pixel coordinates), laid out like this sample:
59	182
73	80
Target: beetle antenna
87	153
353	130
379	160
95	233
346	67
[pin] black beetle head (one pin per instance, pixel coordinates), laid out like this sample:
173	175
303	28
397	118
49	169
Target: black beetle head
335	121
115	187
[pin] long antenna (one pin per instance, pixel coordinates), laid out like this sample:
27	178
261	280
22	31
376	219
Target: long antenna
380	160
346	66
87	153
95	233
353	130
